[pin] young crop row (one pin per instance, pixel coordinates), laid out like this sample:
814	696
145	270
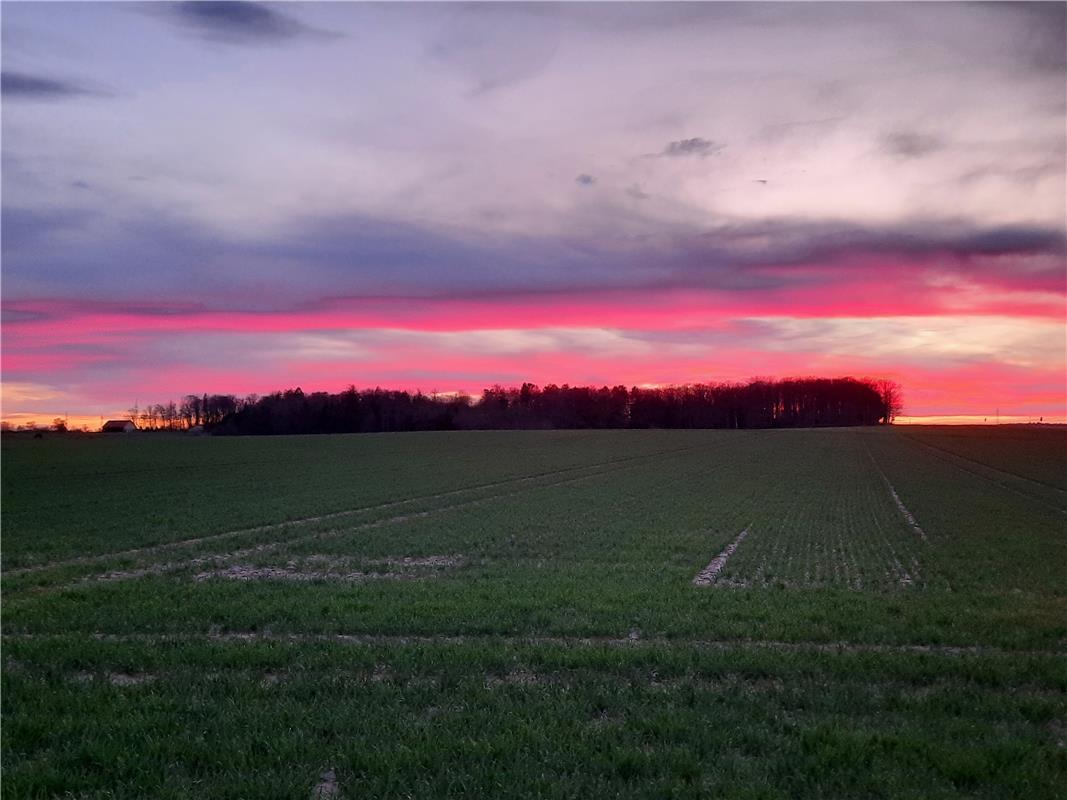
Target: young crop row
829	522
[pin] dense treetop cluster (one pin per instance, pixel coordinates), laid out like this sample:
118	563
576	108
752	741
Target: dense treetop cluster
795	402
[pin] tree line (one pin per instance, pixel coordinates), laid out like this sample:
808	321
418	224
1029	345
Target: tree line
207	410
794	402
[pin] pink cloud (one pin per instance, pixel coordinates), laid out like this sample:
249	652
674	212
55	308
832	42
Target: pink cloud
105	352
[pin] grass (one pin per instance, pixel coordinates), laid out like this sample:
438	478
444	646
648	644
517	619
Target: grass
543	636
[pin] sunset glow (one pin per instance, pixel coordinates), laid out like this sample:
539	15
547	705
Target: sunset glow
446	197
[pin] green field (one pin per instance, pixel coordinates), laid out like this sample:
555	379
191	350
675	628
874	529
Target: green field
505	614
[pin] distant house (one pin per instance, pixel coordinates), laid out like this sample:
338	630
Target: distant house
118	426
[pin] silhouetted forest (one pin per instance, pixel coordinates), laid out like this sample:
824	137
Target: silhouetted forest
799	402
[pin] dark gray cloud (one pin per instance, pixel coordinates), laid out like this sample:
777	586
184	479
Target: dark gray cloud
793	241
23	229
1044	28
1028	174
696	146
47	251
21	85
585	179
637	193
238	22
911	144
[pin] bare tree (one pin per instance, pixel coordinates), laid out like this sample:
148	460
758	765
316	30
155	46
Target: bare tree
892	402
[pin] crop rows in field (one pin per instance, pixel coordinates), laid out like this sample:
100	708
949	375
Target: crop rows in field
1038	491
377	719
858	534
334	515
268	551
851	537
406	629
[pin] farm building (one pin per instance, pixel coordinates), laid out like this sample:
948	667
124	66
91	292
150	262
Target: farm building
118	426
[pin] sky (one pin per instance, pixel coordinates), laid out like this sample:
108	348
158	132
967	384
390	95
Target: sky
239	198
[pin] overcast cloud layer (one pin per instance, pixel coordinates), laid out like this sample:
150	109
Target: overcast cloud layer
446	196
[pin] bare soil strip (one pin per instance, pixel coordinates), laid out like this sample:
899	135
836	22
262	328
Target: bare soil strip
115	678
320	568
367	639
908	517
708	575
157	548
326	788
245	572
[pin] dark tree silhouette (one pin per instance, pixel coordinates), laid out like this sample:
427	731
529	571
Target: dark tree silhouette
761	403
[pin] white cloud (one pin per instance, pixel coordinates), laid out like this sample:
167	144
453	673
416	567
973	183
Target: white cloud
922	339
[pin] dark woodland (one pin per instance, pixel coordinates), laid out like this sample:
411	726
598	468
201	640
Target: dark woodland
801	402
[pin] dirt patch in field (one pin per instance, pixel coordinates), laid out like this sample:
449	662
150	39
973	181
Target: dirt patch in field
116	678
244	572
382	674
605	720
431	562
326	788
127	574
903	509
519	677
400	562
337	569
708	575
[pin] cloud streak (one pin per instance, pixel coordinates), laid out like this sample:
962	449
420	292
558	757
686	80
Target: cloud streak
697	146
25	86
239	22
911	144
352	256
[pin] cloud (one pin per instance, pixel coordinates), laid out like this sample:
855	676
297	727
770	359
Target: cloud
28	228
910	144
637	193
46	250
22	392
585	180
497	45
792	241
1044	24
20	85
692	147
239	22
1029	174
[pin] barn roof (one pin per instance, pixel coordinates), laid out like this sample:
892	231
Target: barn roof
117	425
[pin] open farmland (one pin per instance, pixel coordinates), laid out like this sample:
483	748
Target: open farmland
820	613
